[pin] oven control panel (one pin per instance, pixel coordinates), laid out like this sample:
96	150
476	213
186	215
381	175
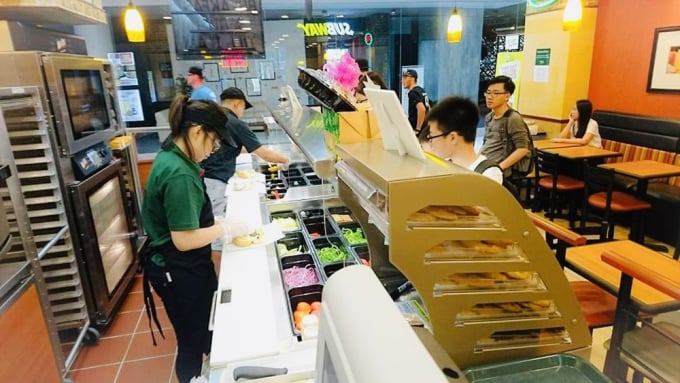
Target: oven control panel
90	160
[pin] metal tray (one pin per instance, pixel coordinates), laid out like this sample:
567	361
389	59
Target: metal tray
563	368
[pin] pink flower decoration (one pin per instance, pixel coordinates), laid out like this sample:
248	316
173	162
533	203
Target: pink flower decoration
345	72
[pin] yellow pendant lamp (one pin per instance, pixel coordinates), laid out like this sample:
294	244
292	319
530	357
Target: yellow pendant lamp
454	31
134	25
573	13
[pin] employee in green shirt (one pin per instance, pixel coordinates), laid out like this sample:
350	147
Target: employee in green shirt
178	217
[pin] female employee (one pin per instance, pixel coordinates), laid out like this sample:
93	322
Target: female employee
178	217
581	129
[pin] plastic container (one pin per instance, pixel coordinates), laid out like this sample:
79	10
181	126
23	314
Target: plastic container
291	241
296	181
353	228
288	216
291	172
322	243
307	265
330	269
563	368
318	227
311	213
308	294
341	215
307	169
362	254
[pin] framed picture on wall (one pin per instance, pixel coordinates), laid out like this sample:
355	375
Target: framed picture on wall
211	72
253	87
664	69
228	83
239	69
267	70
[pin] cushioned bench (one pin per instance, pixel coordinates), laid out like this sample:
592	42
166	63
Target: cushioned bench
648	138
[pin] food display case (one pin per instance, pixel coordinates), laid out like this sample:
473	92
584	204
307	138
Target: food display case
491	286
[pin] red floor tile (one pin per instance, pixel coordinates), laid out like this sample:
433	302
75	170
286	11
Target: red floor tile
108	351
142	345
155	370
104	374
162	318
124	323
133	302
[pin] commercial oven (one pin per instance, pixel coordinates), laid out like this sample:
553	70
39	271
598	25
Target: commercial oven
69	165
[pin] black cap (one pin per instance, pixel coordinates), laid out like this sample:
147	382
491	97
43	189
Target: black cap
196	70
234	93
410	73
204	112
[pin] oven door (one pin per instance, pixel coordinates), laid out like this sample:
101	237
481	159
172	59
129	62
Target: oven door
106	239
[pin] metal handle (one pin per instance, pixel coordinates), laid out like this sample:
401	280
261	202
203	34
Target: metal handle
211	324
52	241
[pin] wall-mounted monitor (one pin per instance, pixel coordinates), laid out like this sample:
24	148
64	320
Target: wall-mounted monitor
217	28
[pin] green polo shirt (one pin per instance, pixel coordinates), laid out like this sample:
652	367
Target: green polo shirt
174	196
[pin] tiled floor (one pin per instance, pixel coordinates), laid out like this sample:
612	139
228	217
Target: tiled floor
125	353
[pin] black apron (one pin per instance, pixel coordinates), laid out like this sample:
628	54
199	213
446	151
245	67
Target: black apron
186	285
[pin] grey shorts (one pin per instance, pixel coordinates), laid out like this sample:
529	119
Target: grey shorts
216	189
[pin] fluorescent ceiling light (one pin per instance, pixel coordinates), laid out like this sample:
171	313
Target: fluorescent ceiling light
244	21
240	9
284	16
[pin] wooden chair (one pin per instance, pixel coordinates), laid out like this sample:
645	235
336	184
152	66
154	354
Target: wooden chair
599	194
652	348
598	306
554	183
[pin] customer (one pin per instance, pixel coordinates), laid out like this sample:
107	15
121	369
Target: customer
178	218
506	138
581	129
222	164
452	127
375	78
418	102
200	90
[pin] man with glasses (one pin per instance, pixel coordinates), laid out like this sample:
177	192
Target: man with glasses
200	90
506	138
451	131
221	165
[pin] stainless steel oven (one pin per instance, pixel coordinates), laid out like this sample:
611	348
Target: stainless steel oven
106	236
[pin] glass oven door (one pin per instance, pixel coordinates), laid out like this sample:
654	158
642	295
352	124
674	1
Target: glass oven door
106	238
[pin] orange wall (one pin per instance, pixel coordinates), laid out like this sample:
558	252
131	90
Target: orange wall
624	37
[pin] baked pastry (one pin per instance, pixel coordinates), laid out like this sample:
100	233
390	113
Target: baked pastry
521	275
421	217
441	212
256	236
465	210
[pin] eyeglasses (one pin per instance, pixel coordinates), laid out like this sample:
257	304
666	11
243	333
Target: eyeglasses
494	94
430	138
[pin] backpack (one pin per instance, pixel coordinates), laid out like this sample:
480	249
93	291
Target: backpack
524	166
487	163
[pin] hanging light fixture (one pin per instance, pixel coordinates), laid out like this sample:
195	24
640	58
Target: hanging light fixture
573	13
134	25
454	31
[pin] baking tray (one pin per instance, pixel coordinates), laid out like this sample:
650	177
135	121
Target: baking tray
492	281
505	311
475	250
562	368
453	216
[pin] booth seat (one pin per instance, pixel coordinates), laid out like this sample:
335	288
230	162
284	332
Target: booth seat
647	138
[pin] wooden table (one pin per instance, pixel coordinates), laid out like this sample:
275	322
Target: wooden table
643	171
586	260
582	152
548	144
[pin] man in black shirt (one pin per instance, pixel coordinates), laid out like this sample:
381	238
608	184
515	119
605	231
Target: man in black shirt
221	165
418	102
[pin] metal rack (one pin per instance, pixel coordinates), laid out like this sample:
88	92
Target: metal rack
58	279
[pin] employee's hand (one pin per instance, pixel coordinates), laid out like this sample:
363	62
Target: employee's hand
232	227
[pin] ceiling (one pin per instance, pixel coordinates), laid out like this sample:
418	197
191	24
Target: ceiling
295	9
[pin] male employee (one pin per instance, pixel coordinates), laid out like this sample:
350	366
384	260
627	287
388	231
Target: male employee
418	102
200	90
221	165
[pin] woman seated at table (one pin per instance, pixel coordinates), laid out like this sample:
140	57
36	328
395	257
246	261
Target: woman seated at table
581	129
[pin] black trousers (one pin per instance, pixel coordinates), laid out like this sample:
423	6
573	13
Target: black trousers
186	285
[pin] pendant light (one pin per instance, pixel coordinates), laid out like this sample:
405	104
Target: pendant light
454	31
573	13
134	25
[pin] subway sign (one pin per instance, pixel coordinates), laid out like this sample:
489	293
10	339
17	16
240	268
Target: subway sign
326	29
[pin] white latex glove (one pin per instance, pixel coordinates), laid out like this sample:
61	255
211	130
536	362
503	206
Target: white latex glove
232	227
284	166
